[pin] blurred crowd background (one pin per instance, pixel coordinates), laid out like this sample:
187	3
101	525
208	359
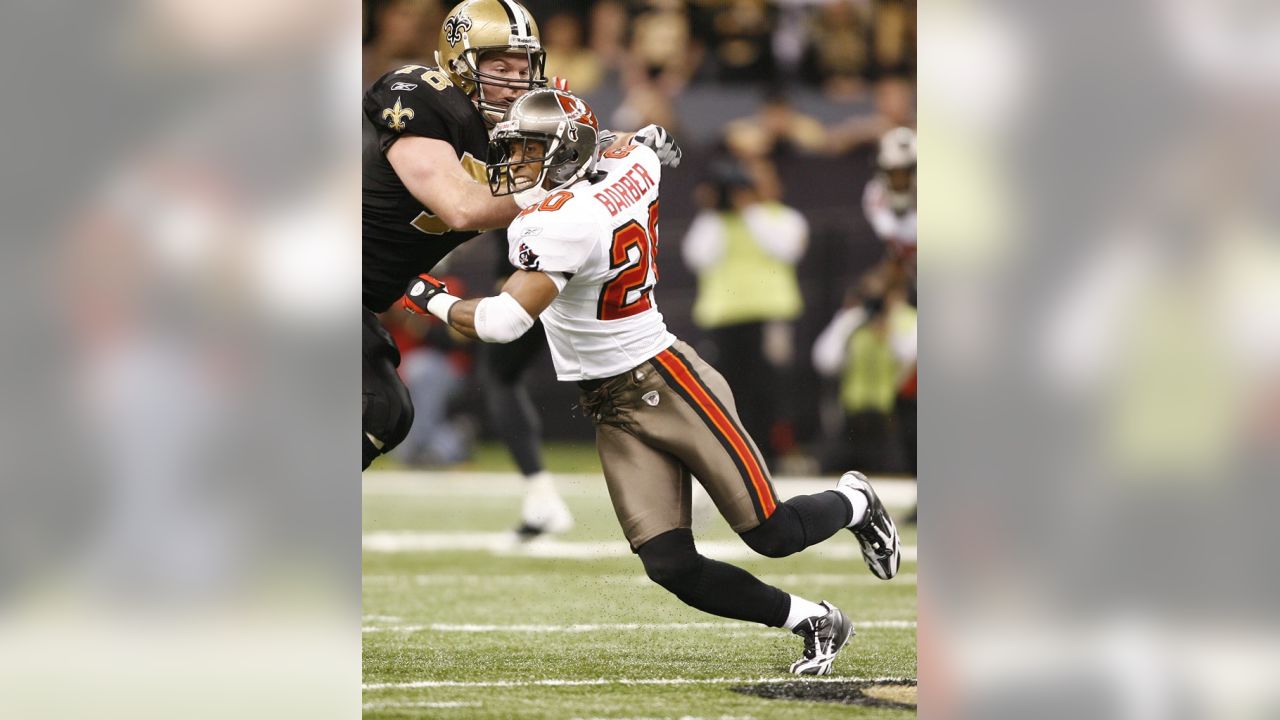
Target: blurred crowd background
779	107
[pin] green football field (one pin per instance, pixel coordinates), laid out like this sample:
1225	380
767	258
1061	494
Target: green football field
461	622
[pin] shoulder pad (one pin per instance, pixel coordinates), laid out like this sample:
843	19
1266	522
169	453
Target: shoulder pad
553	241
415	100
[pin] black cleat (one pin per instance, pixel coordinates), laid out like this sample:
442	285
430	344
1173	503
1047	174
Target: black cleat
823	638
876	533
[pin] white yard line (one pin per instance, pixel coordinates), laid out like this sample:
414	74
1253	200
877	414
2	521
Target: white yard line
502	543
471	579
670	718
596	627
894	492
620	681
396	705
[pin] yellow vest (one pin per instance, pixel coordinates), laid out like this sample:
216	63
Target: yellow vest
871	371
747	284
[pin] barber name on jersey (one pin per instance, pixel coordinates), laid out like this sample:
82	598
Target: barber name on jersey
557	234
598	242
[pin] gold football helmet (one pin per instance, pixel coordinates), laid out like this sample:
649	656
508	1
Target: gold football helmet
476	27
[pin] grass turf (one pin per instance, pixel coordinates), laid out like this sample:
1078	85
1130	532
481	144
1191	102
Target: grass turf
444	616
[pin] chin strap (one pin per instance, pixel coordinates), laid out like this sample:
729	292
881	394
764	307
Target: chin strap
528	198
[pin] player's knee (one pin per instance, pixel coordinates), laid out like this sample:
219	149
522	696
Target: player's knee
672	561
388	412
777	537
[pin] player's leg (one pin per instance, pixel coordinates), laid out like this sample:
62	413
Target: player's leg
706	434
516	420
507	402
386	409
713	445
650	489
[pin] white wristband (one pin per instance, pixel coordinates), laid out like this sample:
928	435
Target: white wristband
439	305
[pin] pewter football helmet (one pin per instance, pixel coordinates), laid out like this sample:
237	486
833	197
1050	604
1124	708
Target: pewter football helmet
896	162
565	126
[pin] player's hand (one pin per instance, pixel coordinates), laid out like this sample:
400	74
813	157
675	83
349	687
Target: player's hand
607	140
661	142
421	290
559	83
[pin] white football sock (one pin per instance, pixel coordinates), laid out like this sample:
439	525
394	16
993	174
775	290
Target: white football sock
540	480
800	610
858	501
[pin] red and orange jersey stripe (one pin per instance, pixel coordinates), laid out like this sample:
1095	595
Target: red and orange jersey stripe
680	374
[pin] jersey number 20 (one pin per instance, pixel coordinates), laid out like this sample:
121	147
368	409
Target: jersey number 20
613	303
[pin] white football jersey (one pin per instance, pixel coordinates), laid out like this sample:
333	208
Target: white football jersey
893	229
598	242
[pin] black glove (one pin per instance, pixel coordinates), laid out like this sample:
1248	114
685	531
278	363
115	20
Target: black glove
421	290
661	142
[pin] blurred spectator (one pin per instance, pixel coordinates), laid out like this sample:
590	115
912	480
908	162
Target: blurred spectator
608	36
645	104
790	41
744	246
398	32
663	48
776	129
838	59
566	57
895	106
893	37
870	345
741	33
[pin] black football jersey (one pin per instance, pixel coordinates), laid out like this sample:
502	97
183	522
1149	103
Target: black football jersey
402	237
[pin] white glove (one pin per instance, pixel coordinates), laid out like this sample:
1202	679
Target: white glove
605	140
528	198
661	142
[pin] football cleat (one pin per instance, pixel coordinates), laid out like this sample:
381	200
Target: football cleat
823	638
543	512
876	533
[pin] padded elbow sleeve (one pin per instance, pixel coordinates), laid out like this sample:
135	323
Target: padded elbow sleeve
501	319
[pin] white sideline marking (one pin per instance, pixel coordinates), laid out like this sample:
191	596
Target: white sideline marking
584	628
501	543
621	681
443	704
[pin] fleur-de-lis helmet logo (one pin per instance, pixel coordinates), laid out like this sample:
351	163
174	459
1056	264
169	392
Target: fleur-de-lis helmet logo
454	27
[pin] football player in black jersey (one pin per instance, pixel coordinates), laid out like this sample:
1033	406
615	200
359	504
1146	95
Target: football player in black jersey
425	192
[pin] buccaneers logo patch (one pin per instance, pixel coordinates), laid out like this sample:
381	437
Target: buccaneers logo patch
528	259
454	27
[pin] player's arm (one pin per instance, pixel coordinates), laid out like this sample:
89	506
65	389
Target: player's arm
498	319
430	169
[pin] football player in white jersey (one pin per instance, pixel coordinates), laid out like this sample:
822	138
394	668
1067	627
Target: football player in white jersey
586	255
889	199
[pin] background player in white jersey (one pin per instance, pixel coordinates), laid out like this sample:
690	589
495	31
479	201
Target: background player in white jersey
889	201
586	255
